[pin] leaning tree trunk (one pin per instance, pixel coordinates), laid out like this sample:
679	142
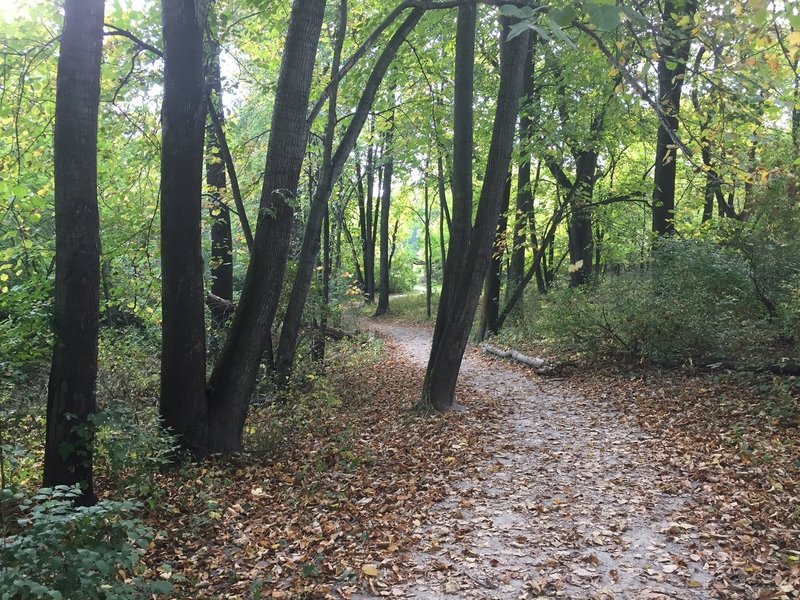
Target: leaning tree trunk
674	53
331	173
234	376
448	347
73	372
221	236
183	343
460	225
386	199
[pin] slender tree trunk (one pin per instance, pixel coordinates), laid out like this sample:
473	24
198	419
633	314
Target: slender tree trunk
386	200
453	325
369	254
73	372
492	286
221	236
331	172
443	212
234	376
428	250
183	345
524	209
673	54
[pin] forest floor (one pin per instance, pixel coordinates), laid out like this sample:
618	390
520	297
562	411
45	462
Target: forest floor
571	500
627	485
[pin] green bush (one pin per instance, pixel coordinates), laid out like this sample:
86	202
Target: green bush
63	551
131	449
695	302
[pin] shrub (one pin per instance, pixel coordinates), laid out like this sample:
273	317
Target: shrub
63	551
695	302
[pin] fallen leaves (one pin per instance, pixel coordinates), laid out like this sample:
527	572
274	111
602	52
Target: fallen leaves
331	508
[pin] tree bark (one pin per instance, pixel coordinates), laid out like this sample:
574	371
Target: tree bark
386	200
581	242
524	208
493	284
234	376
460	224
673	54
73	372
183	344
221	235
453	325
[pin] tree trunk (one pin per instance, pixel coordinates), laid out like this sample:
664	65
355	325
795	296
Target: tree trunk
455	315
73	372
581	242
673	54
443	212
369	253
331	173
492	286
524	208
183	345
221	236
428	249
234	376
386	200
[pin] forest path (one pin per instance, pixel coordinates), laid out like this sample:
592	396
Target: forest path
569	505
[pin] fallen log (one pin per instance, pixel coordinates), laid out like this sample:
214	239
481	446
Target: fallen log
539	365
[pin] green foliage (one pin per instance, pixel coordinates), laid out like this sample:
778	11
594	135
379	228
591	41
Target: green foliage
131	449
62	551
695	302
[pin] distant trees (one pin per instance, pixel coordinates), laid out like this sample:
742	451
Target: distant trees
583	75
73	372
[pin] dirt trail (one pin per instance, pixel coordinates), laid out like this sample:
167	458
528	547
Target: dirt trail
570	505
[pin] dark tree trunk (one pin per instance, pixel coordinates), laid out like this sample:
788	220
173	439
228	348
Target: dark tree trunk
364	226
581	243
183	345
369	252
221	236
674	52
331	173
428	249
234	377
73	372
523	221
386	200
444	214
457	309
492	286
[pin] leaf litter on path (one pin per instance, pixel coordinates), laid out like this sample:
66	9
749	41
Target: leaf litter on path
597	487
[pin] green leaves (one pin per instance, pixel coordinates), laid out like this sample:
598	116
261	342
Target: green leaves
604	16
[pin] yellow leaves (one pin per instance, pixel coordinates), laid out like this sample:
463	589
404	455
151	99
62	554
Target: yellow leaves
370	570
613	72
794	39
